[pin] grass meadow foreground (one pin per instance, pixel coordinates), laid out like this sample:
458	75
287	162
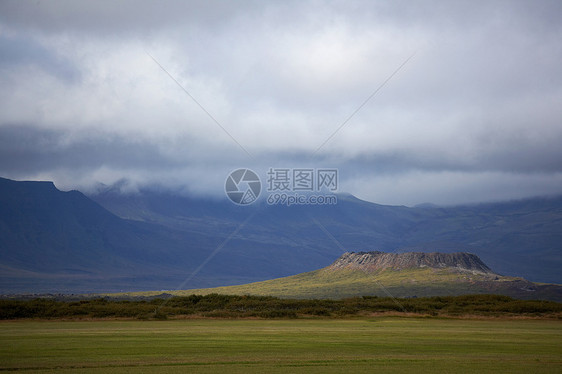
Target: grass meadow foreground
381	344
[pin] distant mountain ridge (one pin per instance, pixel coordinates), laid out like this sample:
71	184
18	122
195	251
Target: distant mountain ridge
55	241
520	238
379	261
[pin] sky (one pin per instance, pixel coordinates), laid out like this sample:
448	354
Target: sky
448	102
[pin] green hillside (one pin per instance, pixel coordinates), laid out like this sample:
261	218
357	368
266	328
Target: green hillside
337	284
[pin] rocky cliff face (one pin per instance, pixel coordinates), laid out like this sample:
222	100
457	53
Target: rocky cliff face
376	261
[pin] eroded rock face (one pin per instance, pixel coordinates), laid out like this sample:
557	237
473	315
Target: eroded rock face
376	261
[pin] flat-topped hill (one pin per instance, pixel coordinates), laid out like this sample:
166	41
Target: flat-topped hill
411	274
378	261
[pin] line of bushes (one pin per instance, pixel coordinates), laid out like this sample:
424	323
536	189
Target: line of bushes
228	306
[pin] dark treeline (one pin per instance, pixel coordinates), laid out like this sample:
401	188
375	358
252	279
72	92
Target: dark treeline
227	306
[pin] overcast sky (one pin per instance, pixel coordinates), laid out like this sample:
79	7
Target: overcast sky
471	110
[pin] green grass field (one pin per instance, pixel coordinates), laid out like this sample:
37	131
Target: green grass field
384	344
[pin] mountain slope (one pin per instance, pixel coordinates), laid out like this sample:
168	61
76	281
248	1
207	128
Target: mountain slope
54	241
522	238
51	239
397	275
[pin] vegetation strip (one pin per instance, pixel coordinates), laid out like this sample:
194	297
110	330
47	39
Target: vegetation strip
219	363
229	306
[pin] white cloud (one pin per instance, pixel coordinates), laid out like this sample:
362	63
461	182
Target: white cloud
478	103
449	188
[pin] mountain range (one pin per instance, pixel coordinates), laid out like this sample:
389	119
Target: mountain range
109	241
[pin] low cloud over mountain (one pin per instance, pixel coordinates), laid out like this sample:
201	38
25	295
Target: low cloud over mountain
431	101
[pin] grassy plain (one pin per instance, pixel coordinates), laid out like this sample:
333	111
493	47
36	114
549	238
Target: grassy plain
365	345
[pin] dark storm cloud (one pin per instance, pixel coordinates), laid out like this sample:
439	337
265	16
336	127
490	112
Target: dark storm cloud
474	115
28	150
22	52
106	17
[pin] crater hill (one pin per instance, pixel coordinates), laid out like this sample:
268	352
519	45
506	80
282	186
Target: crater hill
410	274
378	261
